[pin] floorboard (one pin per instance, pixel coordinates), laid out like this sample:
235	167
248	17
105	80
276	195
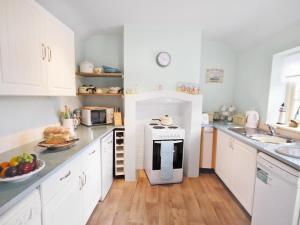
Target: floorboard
196	201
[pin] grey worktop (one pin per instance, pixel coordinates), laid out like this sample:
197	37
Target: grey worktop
11	193
266	148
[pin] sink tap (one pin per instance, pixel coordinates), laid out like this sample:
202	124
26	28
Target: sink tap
272	129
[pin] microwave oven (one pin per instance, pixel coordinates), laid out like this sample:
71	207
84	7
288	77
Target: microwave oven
92	115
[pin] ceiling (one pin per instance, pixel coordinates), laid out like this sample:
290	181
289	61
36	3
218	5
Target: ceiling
240	23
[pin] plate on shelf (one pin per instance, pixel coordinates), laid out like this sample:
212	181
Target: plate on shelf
40	165
57	146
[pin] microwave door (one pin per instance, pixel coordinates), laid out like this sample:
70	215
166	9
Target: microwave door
98	117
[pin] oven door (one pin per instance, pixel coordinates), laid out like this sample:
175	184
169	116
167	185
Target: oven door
98	117
177	156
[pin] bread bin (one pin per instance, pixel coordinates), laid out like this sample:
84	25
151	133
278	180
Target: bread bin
86	67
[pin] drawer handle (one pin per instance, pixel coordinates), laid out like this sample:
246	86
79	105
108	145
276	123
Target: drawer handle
65	176
93	152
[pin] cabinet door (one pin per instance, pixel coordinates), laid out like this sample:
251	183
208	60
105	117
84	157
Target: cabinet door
107	164
92	179
26	212
244	173
223	157
60	58
65	207
22	50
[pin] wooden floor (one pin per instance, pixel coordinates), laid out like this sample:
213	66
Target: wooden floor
202	201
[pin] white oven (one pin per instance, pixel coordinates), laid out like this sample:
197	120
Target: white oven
164	153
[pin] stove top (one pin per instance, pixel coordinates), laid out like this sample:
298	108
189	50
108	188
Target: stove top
153	124
159	127
172	127
157	131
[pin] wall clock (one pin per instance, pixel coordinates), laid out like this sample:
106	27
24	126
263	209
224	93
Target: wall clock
163	59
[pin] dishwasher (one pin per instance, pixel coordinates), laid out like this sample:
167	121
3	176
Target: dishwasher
277	193
106	164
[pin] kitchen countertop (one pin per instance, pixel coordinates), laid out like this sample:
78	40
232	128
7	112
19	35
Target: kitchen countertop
266	148
12	193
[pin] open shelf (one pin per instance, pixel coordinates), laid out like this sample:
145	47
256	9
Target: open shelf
95	94
99	74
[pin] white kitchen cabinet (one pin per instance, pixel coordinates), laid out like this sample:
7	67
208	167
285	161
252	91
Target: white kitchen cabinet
60	58
22	48
223	157
36	51
70	195
91	179
64	208
244	172
236	166
26	212
62	195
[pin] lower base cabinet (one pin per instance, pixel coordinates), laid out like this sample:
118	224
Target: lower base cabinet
70	195
64	208
236	166
26	212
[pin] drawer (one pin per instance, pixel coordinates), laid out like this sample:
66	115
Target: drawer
63	179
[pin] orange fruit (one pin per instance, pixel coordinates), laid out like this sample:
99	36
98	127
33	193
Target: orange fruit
2	174
4	165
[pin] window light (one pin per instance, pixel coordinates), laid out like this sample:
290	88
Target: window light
291	67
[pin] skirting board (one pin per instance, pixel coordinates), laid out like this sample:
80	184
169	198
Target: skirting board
21	138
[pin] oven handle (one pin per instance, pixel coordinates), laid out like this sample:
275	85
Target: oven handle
174	142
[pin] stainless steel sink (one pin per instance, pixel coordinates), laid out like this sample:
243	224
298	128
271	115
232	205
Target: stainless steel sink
291	151
261	135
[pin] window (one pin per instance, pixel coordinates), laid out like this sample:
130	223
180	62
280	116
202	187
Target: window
291	74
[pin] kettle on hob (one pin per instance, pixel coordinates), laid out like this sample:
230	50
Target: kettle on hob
252	119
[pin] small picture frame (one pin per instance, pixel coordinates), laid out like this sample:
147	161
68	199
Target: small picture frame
214	75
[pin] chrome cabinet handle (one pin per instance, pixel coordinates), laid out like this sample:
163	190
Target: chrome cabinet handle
43	52
80	183
84	178
93	152
65	176
49	54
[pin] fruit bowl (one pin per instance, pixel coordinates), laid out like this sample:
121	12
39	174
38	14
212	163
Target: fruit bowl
39	166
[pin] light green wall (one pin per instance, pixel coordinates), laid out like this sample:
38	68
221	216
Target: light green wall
142	44
216	54
254	70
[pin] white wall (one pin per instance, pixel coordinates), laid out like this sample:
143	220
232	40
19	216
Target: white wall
141	45
254	70
216	54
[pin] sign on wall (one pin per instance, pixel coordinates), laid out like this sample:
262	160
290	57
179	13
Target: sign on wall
214	75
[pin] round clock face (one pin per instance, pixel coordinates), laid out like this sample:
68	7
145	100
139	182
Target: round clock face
163	59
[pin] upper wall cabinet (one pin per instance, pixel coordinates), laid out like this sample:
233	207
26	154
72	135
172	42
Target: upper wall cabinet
60	58
36	51
21	42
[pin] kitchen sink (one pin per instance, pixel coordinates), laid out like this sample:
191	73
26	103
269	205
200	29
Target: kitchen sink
291	151
261	135
265	138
